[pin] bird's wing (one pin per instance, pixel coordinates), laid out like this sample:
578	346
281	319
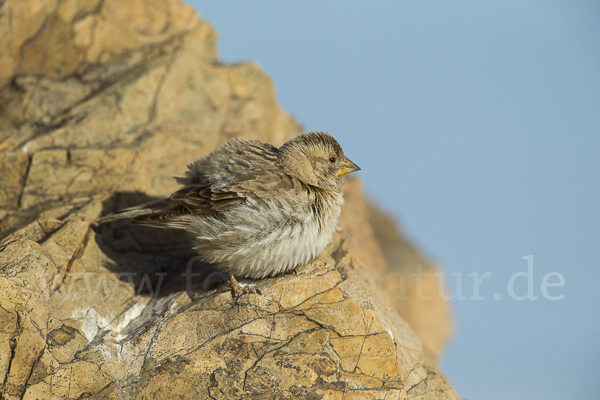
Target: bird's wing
235	173
234	159
258	187
200	199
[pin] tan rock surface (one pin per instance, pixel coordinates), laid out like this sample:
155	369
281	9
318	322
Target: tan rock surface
412	283
101	103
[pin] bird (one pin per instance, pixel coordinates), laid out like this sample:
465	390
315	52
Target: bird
255	210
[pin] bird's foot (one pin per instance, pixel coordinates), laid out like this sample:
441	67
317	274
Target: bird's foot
238	290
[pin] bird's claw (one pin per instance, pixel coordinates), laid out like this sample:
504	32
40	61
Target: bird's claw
238	290
242	290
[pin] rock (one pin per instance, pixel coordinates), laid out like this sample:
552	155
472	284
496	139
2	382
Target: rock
102	102
412	284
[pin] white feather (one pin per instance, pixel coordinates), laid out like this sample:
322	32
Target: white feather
269	239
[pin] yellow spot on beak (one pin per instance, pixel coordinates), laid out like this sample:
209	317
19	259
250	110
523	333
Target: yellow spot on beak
347	166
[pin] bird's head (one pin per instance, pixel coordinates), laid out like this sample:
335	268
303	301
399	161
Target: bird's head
316	159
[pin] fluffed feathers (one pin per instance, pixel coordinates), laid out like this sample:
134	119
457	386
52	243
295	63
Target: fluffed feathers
253	209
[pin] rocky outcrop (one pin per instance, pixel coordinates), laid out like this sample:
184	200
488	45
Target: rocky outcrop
101	103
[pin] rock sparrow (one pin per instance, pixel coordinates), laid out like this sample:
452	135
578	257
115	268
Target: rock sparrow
255	210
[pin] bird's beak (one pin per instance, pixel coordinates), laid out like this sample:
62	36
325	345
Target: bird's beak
347	166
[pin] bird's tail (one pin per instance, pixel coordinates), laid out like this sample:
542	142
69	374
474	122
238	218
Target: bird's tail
146	209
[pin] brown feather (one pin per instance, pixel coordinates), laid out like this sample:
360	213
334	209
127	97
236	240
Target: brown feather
253	209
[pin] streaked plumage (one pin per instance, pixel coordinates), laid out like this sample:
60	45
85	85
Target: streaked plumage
255	210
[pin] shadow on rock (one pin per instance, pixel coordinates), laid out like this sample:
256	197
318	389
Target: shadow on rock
156	262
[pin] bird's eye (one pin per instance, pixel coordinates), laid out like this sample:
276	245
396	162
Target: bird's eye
332	159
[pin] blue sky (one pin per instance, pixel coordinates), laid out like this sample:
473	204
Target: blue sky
477	124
